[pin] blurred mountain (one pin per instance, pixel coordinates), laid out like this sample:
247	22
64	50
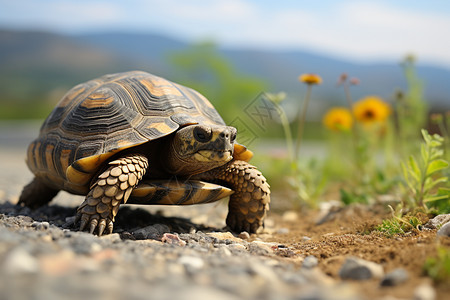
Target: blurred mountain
40	66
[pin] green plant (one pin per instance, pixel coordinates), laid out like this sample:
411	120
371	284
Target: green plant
411	107
438	268
308	180
422	177
350	197
398	224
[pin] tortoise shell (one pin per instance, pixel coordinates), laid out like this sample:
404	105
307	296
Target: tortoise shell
104	116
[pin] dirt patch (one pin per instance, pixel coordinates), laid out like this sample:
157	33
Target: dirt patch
350	233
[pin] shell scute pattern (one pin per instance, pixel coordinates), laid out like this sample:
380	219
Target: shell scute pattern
102	116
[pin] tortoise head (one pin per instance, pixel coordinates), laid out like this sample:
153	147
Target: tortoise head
199	148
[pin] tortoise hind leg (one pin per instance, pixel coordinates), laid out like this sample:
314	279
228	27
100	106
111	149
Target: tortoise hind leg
111	188
36	194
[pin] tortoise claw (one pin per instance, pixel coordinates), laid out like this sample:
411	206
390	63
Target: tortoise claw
110	227
84	221
101	227
93	225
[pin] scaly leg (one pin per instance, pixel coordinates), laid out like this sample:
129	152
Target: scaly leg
250	201
112	187
36	194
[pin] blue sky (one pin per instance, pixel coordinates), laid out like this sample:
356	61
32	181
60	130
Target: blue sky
360	30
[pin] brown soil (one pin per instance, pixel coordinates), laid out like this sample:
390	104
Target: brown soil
351	233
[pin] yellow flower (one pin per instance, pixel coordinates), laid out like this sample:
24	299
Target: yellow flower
370	110
338	119
310	79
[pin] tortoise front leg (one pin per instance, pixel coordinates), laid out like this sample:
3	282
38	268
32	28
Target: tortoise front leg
250	201
111	188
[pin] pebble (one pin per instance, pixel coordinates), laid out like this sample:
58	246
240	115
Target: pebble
395	277
223	250
154	232
310	262
444	230
283	230
191	263
20	261
424	292
238	247
262	248
113	237
359	269
438	221
40	225
290	216
224	236
306	238
328	211
173	239
82	243
244	235
263	271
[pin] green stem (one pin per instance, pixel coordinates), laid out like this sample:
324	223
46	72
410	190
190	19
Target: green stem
422	180
355	135
301	121
287	130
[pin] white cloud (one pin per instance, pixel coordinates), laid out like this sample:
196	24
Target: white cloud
355	29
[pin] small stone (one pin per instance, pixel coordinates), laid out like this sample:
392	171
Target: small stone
20	261
437	221
394	278
223	250
444	230
191	263
265	272
317	277
84	243
306	238
155	231
283	230
244	235
262	248
310	262
424	292
328	211
41	225
290	216
224	236
237	246
360	269
113	237
174	239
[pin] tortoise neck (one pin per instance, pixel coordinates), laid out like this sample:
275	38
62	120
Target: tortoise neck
176	164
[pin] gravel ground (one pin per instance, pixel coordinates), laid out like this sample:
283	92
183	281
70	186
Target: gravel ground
42	257
155	252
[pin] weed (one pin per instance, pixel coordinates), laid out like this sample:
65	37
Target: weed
438	268
422	177
399	224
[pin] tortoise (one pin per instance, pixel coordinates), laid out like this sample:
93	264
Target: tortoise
134	137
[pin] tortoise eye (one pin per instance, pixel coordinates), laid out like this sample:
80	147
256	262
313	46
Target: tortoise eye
202	135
